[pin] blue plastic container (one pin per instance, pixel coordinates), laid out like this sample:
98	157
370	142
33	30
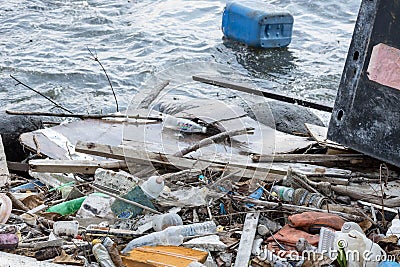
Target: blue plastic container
257	24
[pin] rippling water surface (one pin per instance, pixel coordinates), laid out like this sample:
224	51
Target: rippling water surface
44	44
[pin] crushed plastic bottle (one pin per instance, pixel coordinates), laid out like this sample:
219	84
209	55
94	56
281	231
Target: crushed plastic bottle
101	254
167	237
172	235
113	251
196	229
182	125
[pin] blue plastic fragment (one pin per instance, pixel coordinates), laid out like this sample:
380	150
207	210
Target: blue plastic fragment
31	186
256	195
222	209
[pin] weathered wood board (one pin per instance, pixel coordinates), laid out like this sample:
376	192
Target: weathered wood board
4	173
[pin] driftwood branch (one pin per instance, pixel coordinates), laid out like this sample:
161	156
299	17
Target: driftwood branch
39	93
95	58
210	140
153	95
82	116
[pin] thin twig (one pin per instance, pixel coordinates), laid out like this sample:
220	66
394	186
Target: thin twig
95	58
81	116
39	93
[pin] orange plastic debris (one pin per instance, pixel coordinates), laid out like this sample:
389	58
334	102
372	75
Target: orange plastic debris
312	221
161	256
289	236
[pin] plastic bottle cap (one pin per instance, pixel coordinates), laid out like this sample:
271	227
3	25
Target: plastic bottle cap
159	180
96	241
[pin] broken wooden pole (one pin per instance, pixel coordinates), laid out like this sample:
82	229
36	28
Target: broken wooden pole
137	155
213	139
246	239
82	116
73	166
307	158
268	94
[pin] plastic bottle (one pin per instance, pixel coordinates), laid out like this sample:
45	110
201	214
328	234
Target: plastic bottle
161	222
113	252
196	229
167	237
153	186
284	193
101	254
394	229
182	125
354	242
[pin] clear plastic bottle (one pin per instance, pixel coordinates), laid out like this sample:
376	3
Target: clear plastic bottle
101	254
182	125
113	252
163	221
196	229
153	186
167	237
284	193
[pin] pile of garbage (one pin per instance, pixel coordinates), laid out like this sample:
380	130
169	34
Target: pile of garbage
204	217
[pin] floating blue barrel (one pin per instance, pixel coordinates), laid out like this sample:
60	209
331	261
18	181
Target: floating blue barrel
257	24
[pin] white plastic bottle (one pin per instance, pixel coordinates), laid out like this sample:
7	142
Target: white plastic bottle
355	246
163	221
153	186
101	254
182	125
167	237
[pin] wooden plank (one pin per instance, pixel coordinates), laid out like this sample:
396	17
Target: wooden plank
17	166
73	166
217	81
246	239
319	133
308	158
4	173
139	156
